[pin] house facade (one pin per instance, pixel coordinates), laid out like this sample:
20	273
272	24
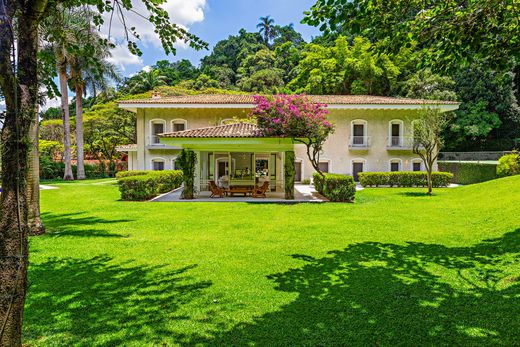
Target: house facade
371	134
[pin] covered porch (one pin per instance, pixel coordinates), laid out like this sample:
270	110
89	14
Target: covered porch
235	160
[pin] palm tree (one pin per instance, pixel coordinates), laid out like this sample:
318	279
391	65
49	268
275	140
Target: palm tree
84	73
147	80
267	28
60	36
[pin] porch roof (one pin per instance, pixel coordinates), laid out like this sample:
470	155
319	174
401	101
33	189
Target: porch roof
235	130
229	137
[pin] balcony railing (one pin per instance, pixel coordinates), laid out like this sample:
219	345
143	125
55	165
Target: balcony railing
400	142
358	142
153	140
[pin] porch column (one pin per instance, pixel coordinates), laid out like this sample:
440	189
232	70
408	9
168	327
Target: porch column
196	181
289	175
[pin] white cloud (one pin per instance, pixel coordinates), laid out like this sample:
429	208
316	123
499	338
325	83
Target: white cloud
181	12
122	57
147	68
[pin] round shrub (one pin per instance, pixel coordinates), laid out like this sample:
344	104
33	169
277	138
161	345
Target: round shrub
335	187
509	165
145	185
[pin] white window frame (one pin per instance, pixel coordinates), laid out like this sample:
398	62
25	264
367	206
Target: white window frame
179	121
365	129
157	159
401	130
152	122
417	160
395	160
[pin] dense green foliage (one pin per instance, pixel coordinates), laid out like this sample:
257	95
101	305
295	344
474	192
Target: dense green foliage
335	187
509	165
54	170
138	186
187	161
239	274
404	179
289	172
466	50
469	173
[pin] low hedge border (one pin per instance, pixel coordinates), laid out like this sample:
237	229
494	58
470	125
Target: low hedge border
145	185
404	179
469	173
335	187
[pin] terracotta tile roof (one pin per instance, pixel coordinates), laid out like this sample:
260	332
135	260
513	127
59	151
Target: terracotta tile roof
326	99
126	148
228	130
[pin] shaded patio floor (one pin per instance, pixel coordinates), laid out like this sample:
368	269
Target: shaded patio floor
302	193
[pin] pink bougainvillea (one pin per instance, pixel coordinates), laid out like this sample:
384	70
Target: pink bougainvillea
291	116
297	117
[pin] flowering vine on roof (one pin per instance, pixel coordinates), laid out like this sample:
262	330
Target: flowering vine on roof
297	117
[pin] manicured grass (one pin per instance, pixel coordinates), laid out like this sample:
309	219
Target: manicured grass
395	268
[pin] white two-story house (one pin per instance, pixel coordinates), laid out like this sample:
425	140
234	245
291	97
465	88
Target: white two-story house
372	133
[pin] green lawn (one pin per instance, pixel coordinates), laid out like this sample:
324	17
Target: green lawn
395	268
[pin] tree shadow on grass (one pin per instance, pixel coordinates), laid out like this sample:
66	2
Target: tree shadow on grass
85	302
414	194
373	294
77	224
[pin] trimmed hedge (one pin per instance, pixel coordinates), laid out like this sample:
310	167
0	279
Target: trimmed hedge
404	179
335	187
139	187
51	170
122	174
469	173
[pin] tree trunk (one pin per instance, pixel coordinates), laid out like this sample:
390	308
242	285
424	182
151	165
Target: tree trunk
35	223
21	99
79	131
66	123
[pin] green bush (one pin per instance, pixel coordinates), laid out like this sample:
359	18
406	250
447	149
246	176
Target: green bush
122	174
403	179
51	170
509	165
469	173
335	187
147	184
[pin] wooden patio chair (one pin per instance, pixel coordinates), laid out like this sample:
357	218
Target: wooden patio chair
259	192
215	190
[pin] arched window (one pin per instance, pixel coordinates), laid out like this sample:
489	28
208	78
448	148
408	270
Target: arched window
179	125
157	126
395	133
158	164
358	133
396	164
174	166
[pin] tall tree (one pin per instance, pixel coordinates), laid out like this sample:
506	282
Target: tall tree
19	86
457	31
267	29
82	65
427	139
59	32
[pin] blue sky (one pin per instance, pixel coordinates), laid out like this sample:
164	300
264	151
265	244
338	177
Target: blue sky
212	21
